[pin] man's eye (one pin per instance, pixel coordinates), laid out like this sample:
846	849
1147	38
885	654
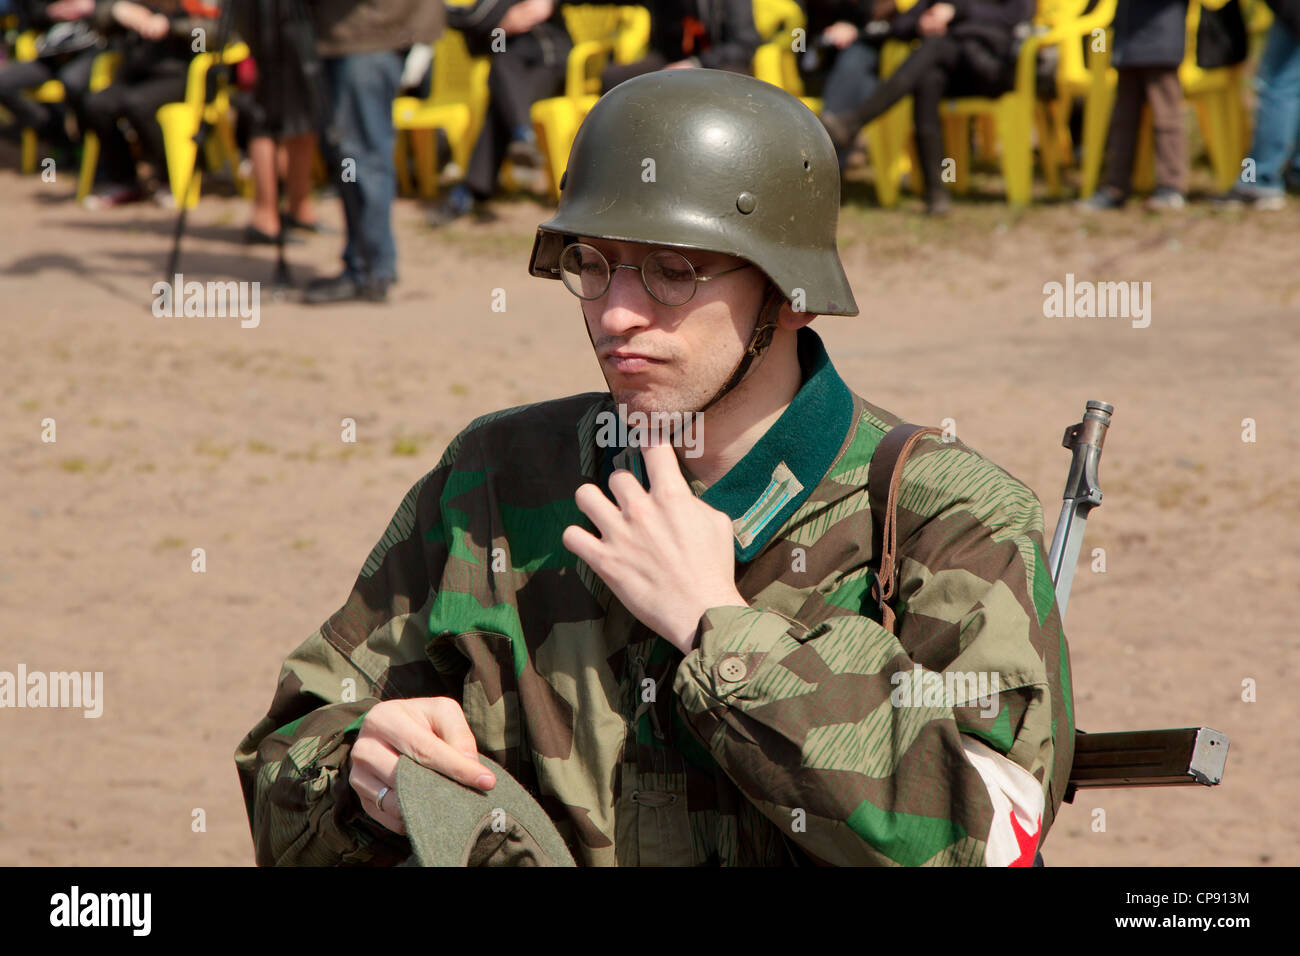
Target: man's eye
676	275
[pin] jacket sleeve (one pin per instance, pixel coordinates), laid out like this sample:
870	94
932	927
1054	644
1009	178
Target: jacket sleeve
739	39
294	765
870	748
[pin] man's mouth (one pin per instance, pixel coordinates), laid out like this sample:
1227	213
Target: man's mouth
629	362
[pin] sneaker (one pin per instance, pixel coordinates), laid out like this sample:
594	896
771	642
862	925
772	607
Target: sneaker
1264	198
1165	199
1104	198
111	196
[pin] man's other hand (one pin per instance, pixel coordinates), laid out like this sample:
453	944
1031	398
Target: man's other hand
431	731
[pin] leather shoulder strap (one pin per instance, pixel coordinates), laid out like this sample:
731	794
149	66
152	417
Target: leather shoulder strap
884	476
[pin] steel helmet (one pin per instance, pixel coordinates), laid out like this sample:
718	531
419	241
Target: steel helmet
708	160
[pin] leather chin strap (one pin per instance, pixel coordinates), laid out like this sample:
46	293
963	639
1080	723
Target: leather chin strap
764	328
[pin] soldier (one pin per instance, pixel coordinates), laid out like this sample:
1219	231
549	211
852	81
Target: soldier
676	651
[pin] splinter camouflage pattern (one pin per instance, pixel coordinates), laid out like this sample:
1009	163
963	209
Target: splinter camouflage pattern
774	742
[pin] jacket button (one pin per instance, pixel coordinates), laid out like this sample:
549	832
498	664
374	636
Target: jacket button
732	669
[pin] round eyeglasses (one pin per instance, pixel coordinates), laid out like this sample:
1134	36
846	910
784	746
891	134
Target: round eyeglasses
666	275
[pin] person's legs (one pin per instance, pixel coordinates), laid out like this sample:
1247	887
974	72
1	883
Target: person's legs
116	167
1165	94
75	77
266	188
515	84
302	151
489	153
926	97
518	79
536	81
1277	120
15	79
139	106
361	88
844	127
1121	138
851	78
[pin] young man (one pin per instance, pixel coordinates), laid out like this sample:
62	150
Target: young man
676	651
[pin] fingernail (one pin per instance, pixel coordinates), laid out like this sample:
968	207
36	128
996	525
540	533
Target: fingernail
484	782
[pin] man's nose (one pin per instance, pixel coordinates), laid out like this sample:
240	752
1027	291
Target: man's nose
626	305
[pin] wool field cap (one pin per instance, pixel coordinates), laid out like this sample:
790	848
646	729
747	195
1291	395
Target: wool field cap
450	824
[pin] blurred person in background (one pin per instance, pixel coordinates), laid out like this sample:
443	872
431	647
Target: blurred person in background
713	34
358	43
842	65
967	49
1277	116
1150	41
65	51
528	64
280	123
157	42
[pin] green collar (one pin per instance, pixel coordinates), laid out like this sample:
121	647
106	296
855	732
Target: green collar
763	489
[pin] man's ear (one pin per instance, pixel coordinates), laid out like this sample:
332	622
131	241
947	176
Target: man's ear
789	319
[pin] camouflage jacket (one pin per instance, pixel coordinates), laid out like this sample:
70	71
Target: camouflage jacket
798	730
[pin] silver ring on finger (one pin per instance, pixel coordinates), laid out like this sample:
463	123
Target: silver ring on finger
382	793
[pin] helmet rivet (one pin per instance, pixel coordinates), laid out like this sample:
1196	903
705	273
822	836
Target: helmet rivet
746	202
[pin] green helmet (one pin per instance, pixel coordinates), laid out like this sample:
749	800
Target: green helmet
709	160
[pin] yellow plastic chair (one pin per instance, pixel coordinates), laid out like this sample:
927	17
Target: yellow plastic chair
1014	115
457	103
1083	40
599	32
51	91
180	123
774	61
1215	93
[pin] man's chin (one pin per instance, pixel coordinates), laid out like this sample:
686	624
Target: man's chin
647	401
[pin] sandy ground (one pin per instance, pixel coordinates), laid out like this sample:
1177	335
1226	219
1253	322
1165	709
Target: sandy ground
179	433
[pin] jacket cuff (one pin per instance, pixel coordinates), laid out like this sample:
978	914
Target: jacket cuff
732	647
